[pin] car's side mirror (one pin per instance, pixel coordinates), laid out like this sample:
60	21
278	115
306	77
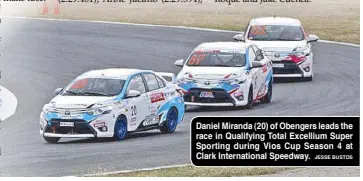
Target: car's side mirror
133	93
58	91
256	64
313	38
179	63
239	37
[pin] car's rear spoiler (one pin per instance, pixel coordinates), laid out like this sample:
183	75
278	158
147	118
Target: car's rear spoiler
170	77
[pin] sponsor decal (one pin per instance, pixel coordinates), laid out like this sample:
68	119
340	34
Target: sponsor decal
133	121
156	97
98	124
70	116
151	120
152	108
206	94
237	94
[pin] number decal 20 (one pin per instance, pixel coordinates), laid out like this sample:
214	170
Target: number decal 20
133	110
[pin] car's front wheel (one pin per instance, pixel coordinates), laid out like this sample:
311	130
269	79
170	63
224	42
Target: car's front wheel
120	131
268	97
171	121
51	139
250	98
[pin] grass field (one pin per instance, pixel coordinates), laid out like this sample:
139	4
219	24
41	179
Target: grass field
336	20
191	171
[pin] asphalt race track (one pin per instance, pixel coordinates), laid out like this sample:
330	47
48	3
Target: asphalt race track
38	56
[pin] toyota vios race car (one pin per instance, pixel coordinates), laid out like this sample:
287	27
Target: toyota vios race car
111	103
225	74
285	43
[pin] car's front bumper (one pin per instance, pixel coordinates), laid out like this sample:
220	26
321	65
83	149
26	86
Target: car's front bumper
291	69
101	126
236	96
209	104
69	135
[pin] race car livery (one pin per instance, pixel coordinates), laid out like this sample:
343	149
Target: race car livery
285	43
225	74
111	103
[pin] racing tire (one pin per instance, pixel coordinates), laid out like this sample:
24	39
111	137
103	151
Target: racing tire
250	98
120	130
171	121
268	97
51	139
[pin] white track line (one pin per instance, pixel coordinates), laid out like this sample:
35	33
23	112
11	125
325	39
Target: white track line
135	170
155	25
8	103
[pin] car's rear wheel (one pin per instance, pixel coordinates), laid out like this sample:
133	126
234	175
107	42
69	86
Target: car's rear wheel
250	98
171	121
268	97
51	139
120	130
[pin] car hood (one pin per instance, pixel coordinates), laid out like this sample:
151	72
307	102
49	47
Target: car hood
210	72
78	102
280	46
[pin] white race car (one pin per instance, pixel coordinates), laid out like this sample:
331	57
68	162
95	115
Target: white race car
111	103
225	74
285	43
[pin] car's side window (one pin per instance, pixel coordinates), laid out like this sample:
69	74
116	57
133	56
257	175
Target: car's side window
251	54
136	83
160	82
151	81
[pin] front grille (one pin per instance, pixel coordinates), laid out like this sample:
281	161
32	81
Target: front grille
71	111
289	68
220	96
80	127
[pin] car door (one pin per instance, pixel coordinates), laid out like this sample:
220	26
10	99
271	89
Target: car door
254	71
137	106
155	91
261	72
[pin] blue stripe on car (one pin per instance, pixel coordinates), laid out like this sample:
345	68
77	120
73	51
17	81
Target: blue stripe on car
176	102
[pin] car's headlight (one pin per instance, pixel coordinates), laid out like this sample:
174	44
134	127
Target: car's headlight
235	78
187	77
46	109
181	80
240	80
102	110
302	51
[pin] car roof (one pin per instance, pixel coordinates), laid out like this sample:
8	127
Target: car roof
223	46
275	21
121	73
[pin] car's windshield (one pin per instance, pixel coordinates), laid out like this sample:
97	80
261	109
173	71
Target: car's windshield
95	87
217	59
275	33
